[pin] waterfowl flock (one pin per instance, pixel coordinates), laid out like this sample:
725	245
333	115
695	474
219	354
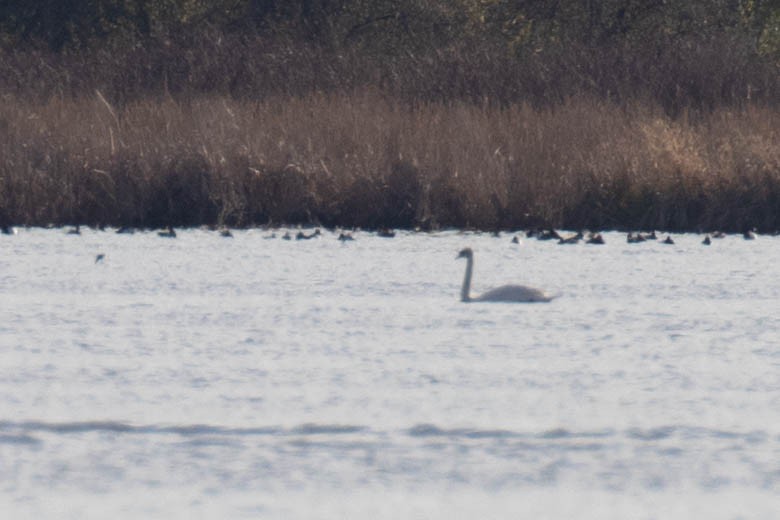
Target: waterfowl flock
587	237
506	293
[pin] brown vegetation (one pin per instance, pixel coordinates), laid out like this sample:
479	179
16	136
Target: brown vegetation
397	113
365	158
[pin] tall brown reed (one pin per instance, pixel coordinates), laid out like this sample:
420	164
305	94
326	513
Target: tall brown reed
363	158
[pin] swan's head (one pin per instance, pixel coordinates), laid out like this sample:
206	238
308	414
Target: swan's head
466	253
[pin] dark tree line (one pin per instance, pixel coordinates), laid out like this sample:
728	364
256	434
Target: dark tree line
390	24
693	54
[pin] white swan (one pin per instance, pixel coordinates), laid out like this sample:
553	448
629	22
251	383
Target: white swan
505	293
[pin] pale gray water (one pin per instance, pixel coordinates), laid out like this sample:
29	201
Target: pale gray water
244	377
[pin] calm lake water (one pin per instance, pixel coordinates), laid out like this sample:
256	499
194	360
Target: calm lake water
248	377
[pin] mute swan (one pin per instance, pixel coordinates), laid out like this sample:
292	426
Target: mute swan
505	293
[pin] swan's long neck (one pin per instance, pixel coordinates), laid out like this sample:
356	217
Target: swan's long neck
466	289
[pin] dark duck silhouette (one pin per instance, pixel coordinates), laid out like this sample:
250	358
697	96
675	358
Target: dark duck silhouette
573	239
168	233
550	234
303	236
595	238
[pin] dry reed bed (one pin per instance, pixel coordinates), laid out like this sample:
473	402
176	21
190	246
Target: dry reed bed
363	159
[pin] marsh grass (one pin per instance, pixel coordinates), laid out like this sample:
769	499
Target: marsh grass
366	159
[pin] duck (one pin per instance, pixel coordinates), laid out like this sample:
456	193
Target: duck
303	236
550	234
573	239
168	233
595	238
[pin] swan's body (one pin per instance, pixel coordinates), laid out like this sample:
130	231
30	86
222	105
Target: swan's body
505	293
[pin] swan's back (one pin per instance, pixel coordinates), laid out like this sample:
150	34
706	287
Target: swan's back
513	293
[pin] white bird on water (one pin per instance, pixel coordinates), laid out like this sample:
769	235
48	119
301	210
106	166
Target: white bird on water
505	293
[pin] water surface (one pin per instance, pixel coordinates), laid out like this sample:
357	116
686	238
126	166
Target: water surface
253	377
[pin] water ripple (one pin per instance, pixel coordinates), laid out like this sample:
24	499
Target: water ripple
20	432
